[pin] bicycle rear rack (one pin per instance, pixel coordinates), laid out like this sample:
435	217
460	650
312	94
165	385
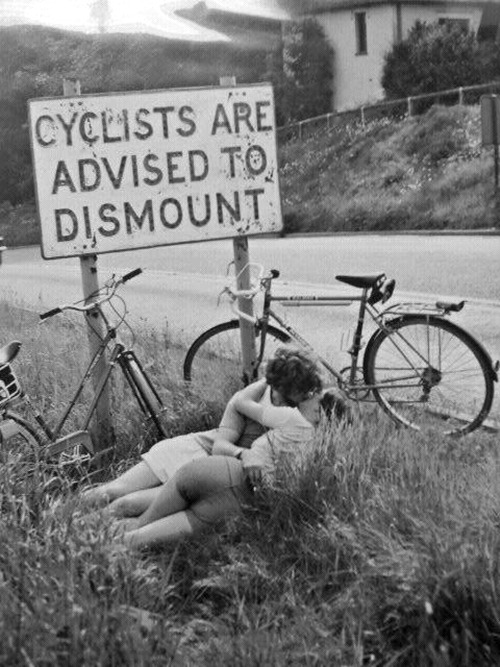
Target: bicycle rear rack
418	308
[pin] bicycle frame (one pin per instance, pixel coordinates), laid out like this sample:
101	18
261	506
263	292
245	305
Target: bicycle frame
338	301
351	384
142	388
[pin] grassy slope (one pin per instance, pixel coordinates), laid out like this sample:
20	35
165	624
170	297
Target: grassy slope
385	550
427	172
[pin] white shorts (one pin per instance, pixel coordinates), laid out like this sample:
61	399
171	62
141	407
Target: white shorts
167	456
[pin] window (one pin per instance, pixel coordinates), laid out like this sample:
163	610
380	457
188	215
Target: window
360	26
460	23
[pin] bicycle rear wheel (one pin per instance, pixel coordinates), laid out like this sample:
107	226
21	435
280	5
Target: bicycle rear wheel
213	363
430	374
20	451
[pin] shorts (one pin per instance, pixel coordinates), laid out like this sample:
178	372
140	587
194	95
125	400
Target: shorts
215	488
167	456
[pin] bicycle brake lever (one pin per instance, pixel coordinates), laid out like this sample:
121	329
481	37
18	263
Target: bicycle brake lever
225	290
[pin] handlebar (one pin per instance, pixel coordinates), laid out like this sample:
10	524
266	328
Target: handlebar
257	283
102	295
130	275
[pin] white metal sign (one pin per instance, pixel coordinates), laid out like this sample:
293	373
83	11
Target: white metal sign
134	170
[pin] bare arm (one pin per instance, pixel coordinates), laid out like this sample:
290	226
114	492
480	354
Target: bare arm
233	420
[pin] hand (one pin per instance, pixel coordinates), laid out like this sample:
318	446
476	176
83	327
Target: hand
252	470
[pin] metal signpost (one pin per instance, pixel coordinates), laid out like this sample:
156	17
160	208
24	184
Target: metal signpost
123	171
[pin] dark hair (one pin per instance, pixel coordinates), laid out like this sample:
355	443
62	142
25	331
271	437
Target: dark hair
335	407
293	370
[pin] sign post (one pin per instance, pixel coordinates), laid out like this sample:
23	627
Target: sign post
101	429
241	258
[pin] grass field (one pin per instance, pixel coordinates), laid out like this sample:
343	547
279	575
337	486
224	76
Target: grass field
382	550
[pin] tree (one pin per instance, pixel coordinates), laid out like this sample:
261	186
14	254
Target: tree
302	73
433	57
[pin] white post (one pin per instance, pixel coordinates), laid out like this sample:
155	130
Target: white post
247	331
410	106
241	261
101	429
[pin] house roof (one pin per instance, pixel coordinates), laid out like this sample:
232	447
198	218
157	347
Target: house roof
273	10
153	17
323	6
254	25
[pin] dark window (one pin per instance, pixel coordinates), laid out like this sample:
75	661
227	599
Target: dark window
360	24
461	24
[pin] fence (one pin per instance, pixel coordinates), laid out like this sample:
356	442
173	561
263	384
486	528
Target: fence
408	106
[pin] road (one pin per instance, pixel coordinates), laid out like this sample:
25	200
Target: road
180	284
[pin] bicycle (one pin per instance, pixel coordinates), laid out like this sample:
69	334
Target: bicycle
422	369
38	435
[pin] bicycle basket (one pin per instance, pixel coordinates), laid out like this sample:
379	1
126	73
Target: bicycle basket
9	386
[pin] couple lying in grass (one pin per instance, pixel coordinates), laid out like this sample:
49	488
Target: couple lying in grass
186	484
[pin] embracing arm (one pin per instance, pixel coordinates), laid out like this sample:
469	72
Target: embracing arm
233	421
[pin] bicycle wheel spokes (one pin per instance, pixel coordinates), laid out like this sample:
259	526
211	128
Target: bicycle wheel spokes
428	373
214	366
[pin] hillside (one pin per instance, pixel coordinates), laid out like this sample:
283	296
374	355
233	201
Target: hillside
427	172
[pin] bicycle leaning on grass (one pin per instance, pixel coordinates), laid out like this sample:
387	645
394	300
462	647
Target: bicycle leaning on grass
49	441
422	369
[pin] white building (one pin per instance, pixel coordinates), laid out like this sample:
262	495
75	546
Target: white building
361	32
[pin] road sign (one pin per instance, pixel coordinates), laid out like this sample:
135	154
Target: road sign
135	170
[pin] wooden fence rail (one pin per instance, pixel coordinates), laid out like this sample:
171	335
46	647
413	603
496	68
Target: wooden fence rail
408	106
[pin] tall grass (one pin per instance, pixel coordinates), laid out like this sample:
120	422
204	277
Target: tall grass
425	172
382	550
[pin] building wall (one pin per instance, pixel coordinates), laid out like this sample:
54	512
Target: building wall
357	76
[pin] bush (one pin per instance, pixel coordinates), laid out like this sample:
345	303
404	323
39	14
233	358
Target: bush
433	57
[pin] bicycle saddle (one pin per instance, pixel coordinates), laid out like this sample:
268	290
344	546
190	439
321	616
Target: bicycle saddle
363	282
9	352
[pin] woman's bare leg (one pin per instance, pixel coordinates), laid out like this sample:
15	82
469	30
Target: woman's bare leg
168	530
133	504
136	479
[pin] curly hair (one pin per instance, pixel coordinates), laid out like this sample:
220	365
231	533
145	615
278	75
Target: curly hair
293	370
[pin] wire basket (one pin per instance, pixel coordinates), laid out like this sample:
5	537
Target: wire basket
9	385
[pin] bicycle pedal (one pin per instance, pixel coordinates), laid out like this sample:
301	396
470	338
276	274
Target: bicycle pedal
76	439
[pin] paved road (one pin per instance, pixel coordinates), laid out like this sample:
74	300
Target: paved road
180	284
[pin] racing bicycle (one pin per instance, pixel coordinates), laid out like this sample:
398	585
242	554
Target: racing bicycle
422	369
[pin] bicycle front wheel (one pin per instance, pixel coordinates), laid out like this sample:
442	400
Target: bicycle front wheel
428	373
213	363
149	399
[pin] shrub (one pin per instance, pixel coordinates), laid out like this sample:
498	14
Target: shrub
433	57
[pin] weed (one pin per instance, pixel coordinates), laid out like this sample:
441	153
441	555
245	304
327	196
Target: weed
382	549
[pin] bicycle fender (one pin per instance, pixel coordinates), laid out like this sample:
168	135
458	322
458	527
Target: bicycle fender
492	366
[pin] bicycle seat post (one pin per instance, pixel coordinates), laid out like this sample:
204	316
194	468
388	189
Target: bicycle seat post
358	333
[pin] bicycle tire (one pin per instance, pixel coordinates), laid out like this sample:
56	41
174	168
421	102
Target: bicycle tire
452	394
213	363
21	448
144	391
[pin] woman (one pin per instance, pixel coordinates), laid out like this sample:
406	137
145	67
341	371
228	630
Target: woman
290	375
207	491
